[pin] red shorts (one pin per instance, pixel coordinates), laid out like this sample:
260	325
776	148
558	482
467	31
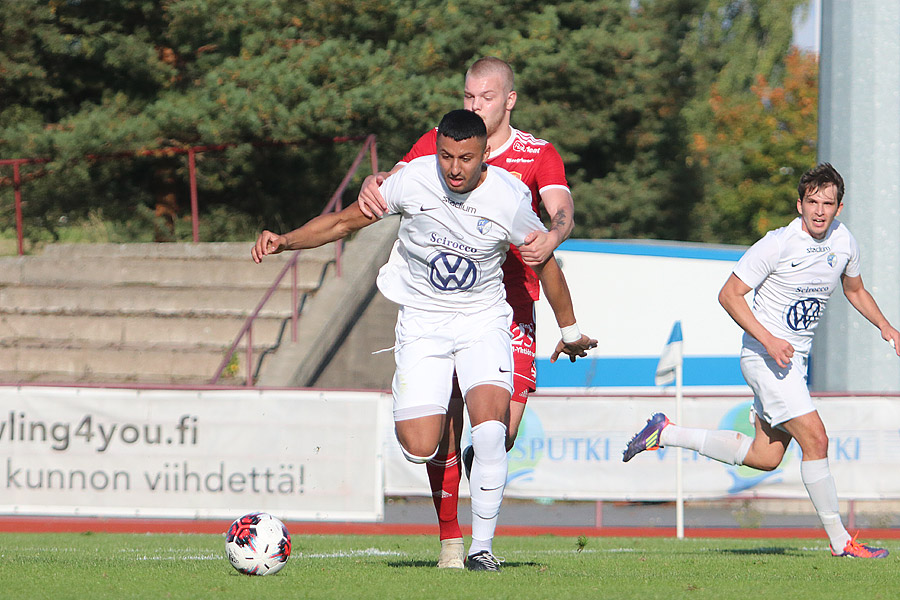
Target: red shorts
523	346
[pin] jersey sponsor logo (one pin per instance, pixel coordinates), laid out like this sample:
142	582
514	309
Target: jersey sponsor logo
457	205
519	160
812	289
484	226
522	147
443	240
803	313
815	249
452	273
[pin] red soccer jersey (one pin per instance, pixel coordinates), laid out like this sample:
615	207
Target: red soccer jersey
537	163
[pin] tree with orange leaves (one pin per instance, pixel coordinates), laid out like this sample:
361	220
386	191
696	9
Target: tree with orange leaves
753	151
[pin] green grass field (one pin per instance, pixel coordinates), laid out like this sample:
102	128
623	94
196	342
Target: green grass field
101	565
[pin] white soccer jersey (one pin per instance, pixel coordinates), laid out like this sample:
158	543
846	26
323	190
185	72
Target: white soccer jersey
793	275
450	246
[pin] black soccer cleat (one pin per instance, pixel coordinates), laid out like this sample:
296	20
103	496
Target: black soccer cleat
483	561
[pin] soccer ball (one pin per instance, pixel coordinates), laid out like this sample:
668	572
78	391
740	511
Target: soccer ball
258	544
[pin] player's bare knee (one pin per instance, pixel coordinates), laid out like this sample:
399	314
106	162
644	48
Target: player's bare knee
815	446
418	453
763	461
767	464
417	448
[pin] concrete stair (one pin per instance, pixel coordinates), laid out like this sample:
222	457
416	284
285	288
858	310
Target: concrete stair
139	313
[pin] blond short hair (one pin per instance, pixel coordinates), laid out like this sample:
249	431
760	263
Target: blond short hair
490	65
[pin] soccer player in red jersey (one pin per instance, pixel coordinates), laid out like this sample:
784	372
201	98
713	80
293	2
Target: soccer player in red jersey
490	93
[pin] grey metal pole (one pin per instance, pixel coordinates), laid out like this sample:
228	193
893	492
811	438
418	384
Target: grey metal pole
859	133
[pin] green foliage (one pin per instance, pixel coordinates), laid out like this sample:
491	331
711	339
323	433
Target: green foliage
622	88
753	121
759	145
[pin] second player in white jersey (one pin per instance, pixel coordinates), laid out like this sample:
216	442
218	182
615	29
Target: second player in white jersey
794	271
793	274
450	247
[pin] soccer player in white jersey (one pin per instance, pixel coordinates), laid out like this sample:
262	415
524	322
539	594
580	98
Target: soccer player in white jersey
794	271
489	92
457	219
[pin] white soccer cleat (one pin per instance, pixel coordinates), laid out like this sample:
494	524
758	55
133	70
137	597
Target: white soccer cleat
453	553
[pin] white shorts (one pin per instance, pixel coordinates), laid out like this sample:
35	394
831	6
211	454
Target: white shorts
430	345
779	394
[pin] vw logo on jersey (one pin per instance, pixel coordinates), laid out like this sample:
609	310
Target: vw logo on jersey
803	313
484	225
452	273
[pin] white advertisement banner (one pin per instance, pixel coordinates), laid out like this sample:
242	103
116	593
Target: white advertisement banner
628	295
299	455
570	448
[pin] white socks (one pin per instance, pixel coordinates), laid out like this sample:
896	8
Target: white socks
820	486
729	447
487	481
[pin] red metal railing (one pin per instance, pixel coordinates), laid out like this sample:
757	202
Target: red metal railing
17	193
334	205
191	153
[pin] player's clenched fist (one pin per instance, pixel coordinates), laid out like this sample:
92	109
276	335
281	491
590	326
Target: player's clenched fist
267	243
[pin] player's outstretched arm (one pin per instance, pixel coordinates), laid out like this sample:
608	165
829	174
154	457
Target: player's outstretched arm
731	297
574	343
370	200
538	245
862	300
316	232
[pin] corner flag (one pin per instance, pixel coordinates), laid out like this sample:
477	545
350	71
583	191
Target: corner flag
671	357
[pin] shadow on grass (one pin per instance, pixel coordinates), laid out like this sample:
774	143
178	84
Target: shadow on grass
746	551
402	564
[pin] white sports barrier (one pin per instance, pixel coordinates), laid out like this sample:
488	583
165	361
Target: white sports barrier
194	454
570	448
332	455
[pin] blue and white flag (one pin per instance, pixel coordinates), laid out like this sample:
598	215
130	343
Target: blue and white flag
671	357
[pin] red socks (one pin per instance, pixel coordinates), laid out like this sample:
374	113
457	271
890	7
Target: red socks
444	473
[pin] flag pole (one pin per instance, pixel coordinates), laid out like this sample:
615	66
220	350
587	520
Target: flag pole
669	370
679	474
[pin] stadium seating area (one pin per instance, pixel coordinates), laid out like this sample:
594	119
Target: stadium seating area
138	313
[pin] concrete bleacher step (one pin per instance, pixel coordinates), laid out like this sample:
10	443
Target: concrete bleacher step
134	299
140	313
218	330
76	269
86	362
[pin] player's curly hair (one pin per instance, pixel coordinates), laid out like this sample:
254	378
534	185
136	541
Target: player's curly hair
821	175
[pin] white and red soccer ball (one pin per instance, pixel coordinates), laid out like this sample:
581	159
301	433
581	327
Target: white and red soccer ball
258	544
